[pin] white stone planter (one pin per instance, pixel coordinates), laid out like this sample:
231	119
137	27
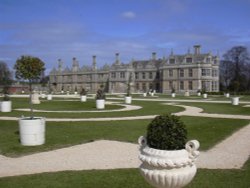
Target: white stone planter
173	95
235	100
204	95
35	98
168	169
227	95
100	103
151	94
75	92
128	100
32	131
186	94
6	106
83	98
198	94
144	94
43	96
49	97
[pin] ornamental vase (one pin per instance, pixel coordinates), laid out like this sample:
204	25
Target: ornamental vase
168	168
128	100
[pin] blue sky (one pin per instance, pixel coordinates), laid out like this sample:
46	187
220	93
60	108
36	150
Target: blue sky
53	29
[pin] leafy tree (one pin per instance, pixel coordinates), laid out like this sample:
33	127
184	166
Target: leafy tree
29	68
5	79
233	69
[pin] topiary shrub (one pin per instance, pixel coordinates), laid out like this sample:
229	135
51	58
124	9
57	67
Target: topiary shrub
166	132
100	94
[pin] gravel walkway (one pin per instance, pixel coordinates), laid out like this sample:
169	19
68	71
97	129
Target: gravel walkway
231	153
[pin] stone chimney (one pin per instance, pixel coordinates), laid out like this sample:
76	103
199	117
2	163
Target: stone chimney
94	63
117	61
75	65
197	49
60	65
154	56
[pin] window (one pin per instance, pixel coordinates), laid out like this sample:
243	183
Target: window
122	74
208	60
172	61
190	72
144	86
205	72
150	75
181	73
189	60
170	72
205	85
181	85
190	85
143	75
214	72
214	86
157	75
137	86
113	75
151	86
136	75
170	84
100	75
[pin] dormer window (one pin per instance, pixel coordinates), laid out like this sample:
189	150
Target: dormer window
189	60
208	60
172	61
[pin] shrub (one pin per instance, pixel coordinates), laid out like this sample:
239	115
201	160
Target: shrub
166	132
83	92
100	94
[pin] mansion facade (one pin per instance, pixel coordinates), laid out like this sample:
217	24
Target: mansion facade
187	72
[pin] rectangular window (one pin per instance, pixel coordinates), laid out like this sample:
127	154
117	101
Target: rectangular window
172	61
205	72
214	86
170	72
214	73
136	75
205	85
189	59
137	86
113	75
143	75
157	75
150	75
170	83
144	87
181	85
208	60
181	72
122	74
190	72
190	85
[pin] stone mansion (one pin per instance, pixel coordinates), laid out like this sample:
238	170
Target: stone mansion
187	72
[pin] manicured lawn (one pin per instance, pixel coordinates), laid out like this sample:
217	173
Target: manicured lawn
218	108
125	178
208	131
148	108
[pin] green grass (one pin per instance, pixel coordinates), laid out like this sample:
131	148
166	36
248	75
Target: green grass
208	131
125	178
148	108
219	108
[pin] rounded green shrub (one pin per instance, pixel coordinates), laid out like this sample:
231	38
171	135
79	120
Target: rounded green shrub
166	132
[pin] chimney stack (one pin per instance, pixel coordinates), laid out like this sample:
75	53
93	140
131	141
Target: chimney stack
94	62
117	61
197	49
154	56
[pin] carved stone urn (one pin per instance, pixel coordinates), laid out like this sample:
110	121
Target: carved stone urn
168	168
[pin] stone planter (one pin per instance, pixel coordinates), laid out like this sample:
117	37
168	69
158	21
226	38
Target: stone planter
235	100
75	92
186	94
35	98
227	95
83	98
173	95
5	106
32	131
168	169
128	100
204	95
144	94
198	94
43	96
49	97
100	104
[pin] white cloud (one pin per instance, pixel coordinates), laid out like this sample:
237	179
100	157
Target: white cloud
129	15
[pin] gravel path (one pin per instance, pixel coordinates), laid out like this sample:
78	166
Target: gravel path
231	153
